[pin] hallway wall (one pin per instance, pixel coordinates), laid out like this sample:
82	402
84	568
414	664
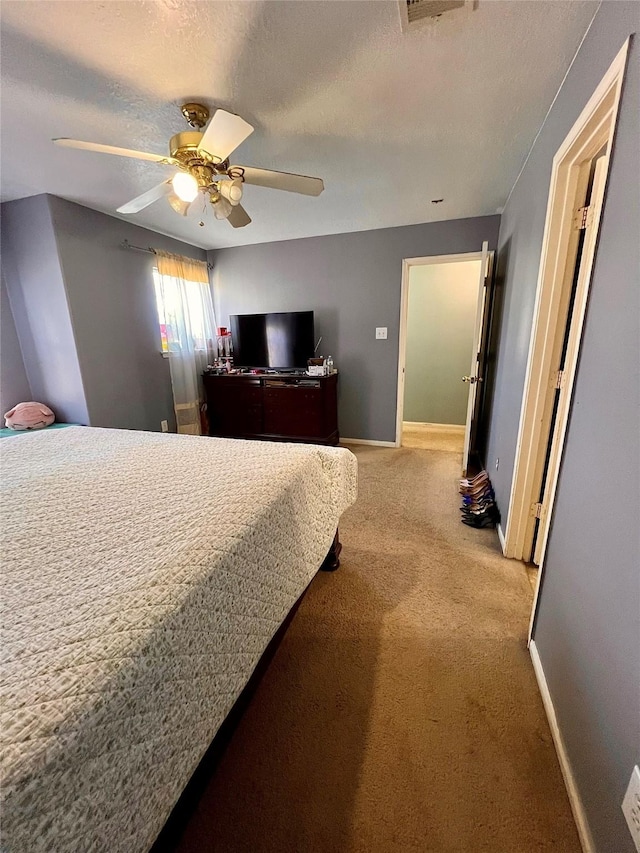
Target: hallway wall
588	625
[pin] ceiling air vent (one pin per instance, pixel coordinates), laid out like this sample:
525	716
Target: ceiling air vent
413	11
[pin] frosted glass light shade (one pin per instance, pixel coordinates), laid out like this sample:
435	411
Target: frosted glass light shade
185	186
222	208
231	190
181	207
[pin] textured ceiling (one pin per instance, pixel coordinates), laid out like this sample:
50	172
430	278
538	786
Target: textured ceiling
334	89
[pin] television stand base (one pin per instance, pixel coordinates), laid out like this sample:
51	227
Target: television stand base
273	406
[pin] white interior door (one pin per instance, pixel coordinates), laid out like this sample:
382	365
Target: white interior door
474	378
573	337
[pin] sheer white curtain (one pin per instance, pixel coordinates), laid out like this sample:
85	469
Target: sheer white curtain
186	313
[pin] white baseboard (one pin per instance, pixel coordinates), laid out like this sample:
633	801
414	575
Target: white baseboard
503	544
457	428
577	808
367	441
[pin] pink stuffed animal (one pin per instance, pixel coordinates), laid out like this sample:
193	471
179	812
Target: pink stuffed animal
29	416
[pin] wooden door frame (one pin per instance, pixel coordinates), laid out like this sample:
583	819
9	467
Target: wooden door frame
594	128
407	264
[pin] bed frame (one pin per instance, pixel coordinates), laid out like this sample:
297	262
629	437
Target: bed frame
172	831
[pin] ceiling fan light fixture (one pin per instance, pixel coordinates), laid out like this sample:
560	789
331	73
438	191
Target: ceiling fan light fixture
221	207
185	186
231	190
181	207
203	167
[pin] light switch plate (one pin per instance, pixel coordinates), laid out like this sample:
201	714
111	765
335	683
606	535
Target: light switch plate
631	806
381	333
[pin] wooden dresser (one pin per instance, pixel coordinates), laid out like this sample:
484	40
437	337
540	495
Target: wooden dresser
276	407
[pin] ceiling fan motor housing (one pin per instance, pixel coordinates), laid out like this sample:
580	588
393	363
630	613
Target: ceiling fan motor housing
184	146
204	167
197	115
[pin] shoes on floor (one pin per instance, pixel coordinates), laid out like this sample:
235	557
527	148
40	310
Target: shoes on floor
479	498
487	509
483	488
484	495
477	508
479	476
479	521
478	501
478	480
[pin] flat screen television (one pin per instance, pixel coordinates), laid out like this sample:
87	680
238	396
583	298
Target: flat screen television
279	341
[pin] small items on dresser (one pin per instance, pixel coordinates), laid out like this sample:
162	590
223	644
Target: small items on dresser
316	367
320	366
478	501
224	344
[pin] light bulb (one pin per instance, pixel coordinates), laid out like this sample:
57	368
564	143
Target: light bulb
231	190
185	186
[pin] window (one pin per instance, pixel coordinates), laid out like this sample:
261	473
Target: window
187	332
183	313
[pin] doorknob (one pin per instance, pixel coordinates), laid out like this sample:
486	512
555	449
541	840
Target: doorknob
471	379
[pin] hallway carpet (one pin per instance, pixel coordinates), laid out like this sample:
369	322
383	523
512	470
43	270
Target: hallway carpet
432	437
400	712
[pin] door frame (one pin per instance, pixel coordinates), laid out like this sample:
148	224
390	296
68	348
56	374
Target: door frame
407	264
594	128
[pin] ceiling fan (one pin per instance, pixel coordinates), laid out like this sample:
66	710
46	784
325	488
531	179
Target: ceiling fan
203	165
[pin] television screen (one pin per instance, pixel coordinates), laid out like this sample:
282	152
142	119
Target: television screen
278	341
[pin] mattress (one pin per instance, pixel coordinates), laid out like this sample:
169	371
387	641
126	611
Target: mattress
143	576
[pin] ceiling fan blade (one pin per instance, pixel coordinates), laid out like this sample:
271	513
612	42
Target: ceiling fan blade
225	132
111	149
239	217
140	202
282	181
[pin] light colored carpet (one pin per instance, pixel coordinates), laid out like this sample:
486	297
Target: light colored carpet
432	437
401	712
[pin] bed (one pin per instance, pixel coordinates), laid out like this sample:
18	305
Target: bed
143	576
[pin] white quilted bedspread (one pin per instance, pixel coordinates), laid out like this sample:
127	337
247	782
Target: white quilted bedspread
143	576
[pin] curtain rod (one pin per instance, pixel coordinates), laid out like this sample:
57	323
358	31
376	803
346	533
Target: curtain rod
149	250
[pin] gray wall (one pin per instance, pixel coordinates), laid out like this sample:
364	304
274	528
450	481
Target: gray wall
14	385
31	269
85	312
352	282
443	300
113	311
588	625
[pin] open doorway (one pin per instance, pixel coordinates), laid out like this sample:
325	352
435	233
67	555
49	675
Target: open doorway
576	197
441	315
443	328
